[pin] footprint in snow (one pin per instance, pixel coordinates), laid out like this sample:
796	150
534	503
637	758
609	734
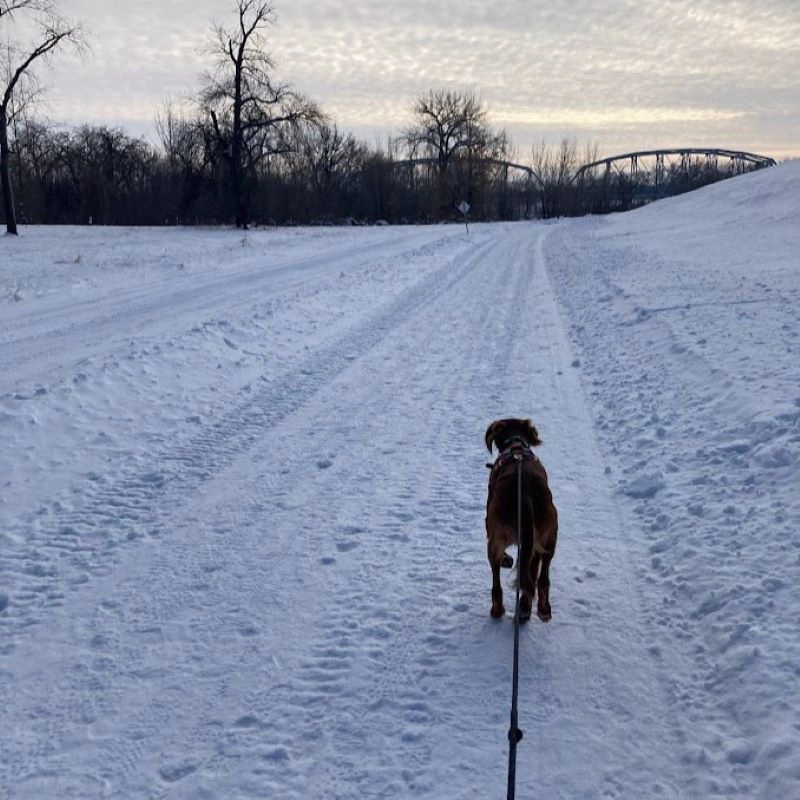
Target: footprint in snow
248	721
351	529
279	754
176	772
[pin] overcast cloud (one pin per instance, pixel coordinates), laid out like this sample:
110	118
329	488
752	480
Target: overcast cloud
623	74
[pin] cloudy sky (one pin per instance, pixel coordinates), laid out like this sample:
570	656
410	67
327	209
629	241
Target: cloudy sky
625	74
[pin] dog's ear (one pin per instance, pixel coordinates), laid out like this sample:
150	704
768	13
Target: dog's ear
531	434
491	434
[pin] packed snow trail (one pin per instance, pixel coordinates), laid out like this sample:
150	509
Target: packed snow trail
294	602
99	411
104	320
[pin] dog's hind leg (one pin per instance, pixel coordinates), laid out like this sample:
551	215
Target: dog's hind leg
543	609
527	594
495	561
525	605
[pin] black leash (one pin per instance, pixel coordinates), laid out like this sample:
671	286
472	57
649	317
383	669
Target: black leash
514	733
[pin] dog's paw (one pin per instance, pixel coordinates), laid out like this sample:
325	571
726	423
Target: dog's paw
507	562
544	614
498	611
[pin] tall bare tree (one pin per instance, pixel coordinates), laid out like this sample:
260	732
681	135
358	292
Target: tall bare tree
253	116
50	32
447	124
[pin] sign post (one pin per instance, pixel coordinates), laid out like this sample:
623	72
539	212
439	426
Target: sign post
464	207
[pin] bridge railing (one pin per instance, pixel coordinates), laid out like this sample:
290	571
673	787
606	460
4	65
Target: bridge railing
685	153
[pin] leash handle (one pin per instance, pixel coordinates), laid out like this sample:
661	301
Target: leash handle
514	733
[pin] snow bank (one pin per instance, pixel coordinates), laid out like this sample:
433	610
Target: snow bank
686	315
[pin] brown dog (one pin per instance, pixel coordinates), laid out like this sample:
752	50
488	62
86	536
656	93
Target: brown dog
514	439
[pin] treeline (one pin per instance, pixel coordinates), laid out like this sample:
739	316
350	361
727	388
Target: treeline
248	148
101	175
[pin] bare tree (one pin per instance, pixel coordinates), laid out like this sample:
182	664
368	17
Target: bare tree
554	168
185	140
253	116
51	31
330	158
8	7
447	124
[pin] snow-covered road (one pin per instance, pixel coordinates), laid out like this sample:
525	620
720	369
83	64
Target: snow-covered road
242	524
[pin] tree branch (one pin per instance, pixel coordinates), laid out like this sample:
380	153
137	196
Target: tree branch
53	32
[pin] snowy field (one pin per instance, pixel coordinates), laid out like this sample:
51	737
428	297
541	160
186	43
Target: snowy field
242	489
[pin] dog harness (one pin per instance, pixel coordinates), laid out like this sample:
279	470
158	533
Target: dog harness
510	449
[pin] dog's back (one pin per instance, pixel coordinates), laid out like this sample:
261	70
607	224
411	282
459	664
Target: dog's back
539	515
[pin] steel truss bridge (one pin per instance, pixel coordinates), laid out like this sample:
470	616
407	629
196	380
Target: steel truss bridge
653	166
622	181
641	166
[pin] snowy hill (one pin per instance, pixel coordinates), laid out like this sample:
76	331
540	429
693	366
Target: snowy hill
241	506
687	317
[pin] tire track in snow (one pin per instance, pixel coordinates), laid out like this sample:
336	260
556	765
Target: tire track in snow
390	679
79	545
678	421
226	728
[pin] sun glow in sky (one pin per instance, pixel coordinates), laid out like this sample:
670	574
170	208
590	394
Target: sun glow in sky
623	74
